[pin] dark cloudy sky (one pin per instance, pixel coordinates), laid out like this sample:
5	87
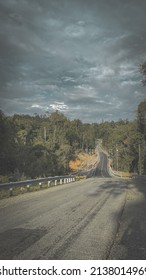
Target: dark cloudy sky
78	56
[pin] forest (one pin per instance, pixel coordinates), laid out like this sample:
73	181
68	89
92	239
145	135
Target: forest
42	145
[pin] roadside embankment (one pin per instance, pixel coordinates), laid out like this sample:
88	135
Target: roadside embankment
83	162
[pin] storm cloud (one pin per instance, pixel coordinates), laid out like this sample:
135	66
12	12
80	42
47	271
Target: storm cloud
80	57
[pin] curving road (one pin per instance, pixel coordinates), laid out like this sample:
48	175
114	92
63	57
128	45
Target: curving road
101	170
102	167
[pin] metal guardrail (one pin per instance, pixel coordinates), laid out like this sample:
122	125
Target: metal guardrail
62	180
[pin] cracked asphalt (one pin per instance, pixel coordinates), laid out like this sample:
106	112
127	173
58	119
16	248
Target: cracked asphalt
97	218
79	220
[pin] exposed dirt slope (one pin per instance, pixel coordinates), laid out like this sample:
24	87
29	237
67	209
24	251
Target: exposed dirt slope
83	161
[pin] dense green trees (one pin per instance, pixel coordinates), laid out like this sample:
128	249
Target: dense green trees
142	120
123	145
34	146
37	146
143	71
141	116
141	124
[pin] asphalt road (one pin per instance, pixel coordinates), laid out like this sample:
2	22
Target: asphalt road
75	221
102	167
101	170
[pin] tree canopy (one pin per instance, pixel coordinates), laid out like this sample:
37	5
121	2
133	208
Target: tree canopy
143	71
37	146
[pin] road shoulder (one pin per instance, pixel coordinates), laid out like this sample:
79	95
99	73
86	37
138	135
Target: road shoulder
130	241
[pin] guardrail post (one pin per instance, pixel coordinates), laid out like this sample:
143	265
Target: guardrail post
55	182
11	191
60	181
40	184
28	188
73	179
49	183
64	180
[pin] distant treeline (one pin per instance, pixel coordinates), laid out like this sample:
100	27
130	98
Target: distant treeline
38	146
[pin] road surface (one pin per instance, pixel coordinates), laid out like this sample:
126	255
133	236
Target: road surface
96	218
101	170
75	221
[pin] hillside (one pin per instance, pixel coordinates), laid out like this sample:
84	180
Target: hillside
84	161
